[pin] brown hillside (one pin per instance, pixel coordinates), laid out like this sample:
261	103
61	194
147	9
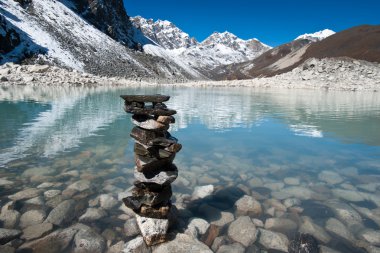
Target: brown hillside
361	42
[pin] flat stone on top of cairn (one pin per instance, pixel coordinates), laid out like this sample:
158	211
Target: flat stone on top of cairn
154	151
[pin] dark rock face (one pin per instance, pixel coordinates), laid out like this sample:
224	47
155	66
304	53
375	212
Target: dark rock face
9	38
304	243
110	17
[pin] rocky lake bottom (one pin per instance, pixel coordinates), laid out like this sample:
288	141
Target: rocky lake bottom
257	166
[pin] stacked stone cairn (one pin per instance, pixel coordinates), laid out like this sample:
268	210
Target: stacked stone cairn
154	152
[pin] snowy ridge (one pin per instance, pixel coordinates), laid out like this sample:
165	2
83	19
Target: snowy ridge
60	36
317	36
216	50
164	33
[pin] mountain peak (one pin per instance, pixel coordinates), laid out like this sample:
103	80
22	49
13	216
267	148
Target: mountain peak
164	33
317	36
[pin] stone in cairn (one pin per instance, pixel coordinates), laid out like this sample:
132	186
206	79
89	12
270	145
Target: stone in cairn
154	150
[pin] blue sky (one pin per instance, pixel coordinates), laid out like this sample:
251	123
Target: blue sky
274	22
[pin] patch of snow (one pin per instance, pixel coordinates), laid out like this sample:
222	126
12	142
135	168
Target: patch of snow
317	36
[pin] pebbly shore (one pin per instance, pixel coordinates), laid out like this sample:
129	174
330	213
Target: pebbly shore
328	74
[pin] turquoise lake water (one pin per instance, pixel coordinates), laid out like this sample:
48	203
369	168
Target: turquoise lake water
230	136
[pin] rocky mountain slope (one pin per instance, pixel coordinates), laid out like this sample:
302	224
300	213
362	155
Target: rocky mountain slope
73	34
216	50
361	43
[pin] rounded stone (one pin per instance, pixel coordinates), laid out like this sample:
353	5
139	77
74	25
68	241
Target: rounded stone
32	217
247	205
243	230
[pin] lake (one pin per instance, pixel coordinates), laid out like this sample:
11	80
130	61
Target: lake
306	156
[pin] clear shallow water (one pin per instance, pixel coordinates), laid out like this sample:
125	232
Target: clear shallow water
245	139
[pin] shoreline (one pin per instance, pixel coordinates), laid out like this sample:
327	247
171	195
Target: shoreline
314	74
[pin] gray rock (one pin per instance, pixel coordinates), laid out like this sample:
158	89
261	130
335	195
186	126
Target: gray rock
38	68
273	241
88	241
345	213
324	249
330	177
162	178
201	192
5	182
182	243
107	202
280	224
25	194
38	171
45	185
63	213
235	247
153	230
32	217
292	202
37	201
7	235
247	205
292	181
51	193
371	236
299	192
56	242
37	231
349	195
136	245
243	230
80	185
117	247
309	227
10	218
131	228
218	242
338	229
6	249
224	219
92	214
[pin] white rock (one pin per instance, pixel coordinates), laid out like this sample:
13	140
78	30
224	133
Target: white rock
152	230
136	245
201	192
200	226
235	248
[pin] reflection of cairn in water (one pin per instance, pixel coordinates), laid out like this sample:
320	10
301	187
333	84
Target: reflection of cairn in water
154	150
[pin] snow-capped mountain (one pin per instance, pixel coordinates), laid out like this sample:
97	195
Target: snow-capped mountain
164	33
216	50
71	33
317	36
